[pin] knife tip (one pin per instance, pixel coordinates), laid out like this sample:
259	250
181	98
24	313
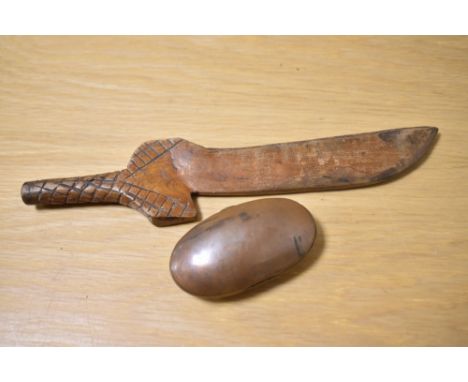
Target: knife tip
423	141
433	131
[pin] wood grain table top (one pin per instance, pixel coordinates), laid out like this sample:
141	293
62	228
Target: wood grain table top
390	265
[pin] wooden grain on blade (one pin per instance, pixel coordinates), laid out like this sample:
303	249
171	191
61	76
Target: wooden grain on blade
328	163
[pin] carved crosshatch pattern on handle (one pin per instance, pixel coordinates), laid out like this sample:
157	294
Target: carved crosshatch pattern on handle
159	206
68	191
120	187
149	152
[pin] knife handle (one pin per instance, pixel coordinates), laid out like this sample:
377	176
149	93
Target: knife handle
91	189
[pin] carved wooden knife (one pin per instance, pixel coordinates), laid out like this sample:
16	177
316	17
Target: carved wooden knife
163	174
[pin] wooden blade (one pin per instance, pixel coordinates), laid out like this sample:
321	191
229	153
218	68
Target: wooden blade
329	163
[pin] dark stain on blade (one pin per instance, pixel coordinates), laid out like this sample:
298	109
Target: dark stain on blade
420	140
389	135
413	143
385	174
415	137
423	135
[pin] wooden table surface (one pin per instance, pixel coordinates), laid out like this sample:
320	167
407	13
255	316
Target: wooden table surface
390	265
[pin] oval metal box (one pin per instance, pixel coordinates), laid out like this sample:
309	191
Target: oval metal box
242	246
